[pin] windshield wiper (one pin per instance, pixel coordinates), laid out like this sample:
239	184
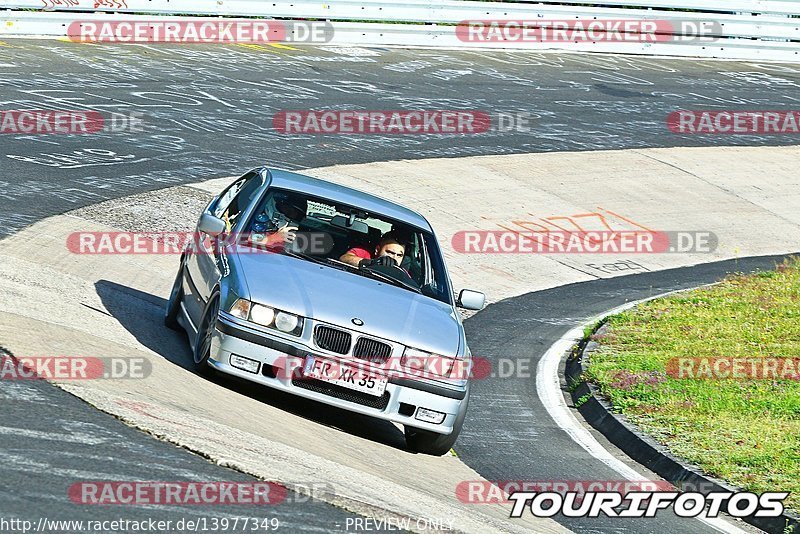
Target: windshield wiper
386	278
305	256
322	261
341	265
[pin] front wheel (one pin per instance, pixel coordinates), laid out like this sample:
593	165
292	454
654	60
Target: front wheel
426	442
205	335
174	303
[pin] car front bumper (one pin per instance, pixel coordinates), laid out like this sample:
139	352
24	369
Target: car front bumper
278	358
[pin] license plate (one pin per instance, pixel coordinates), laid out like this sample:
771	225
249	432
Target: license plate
345	376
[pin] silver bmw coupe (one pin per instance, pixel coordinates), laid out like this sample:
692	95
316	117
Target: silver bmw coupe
328	293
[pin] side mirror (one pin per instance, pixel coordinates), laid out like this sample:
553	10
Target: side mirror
211	225
470	300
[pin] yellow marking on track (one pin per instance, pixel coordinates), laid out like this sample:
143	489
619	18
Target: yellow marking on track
78	41
283	46
255	47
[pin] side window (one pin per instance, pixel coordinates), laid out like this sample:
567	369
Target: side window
435	280
227	196
237	197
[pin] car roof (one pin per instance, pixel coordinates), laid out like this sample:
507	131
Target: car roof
346	195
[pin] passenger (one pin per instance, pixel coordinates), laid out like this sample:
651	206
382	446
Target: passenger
388	252
275	227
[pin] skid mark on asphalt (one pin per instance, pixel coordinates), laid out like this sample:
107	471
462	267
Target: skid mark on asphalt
81	438
18	392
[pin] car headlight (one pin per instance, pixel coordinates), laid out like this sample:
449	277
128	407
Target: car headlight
426	364
263	315
286	322
240	309
267	316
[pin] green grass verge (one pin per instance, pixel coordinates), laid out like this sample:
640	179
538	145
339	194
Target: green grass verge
744	431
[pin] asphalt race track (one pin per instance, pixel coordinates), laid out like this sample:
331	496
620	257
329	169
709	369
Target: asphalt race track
207	109
207	112
49	439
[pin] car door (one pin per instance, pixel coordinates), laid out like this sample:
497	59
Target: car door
204	265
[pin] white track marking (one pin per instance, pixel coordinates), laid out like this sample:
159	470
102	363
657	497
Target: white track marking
549	391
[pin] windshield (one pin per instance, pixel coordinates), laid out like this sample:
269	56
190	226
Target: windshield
347	231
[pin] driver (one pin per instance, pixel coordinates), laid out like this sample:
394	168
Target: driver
389	252
275	227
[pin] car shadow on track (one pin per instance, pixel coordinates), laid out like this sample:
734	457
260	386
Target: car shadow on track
142	314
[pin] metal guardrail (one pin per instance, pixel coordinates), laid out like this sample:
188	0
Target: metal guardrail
763	29
442	11
30	24
410	10
781	7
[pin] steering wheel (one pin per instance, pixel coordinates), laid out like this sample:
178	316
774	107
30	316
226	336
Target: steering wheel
397	273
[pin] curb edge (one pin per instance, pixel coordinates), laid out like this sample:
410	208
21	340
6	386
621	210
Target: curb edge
644	449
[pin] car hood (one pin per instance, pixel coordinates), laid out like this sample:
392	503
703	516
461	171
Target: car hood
335	296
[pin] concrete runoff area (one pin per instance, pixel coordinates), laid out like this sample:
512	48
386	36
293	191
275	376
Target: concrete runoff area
748	197
60	303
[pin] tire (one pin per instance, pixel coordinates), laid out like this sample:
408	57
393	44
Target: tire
174	303
205	333
426	442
